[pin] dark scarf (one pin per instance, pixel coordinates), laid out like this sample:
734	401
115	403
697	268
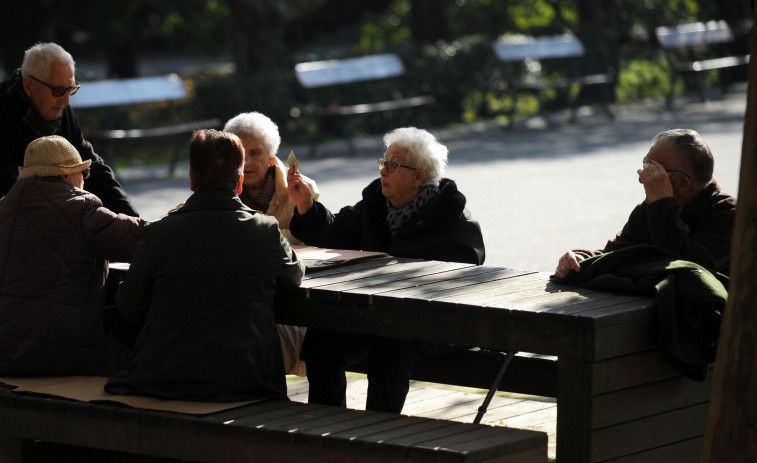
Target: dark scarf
24	106
263	198
396	218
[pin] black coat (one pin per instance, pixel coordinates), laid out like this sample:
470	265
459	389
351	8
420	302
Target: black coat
203	280
19	125
444	230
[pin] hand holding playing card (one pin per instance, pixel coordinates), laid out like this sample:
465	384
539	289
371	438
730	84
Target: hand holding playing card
298	190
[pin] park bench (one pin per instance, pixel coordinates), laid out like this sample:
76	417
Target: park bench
163	91
524	59
267	431
696	47
338	75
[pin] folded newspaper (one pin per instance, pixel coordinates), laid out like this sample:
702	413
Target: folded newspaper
316	258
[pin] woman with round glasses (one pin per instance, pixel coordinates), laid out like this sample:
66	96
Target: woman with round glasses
411	210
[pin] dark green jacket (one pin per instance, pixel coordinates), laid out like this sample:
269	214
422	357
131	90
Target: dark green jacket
690	298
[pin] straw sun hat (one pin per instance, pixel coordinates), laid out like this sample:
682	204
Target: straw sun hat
50	157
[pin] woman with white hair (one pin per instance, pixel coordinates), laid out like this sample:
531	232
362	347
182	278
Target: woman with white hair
265	189
265	182
410	211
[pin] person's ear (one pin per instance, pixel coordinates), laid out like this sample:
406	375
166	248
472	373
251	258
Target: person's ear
420	177
239	187
26	82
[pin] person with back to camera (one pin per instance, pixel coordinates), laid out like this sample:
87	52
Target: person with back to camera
265	189
410	211
55	243
684	212
202	284
33	104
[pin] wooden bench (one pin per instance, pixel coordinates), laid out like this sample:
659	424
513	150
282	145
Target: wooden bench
693	48
522	57
165	90
273	430
341	73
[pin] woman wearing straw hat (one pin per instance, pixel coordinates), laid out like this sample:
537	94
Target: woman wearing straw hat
55	241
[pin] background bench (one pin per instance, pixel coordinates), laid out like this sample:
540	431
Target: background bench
341	73
522	57
273	430
164	91
696	47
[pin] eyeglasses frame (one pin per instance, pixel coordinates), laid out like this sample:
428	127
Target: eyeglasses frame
644	163
60	89
391	166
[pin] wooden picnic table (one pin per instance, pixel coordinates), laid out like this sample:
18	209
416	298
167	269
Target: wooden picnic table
618	398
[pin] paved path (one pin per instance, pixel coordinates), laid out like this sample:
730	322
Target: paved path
536	192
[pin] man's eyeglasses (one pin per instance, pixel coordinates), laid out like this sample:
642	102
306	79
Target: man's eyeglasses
85	173
59	91
644	163
391	166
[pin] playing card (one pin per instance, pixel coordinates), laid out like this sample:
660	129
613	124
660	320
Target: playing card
292	161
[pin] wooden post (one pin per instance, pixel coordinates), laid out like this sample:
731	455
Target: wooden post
732	422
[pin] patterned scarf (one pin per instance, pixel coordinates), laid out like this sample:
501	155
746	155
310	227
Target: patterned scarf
396	218
261	199
24	105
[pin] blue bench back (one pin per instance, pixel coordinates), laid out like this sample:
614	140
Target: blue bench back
521	47
344	71
689	35
129	91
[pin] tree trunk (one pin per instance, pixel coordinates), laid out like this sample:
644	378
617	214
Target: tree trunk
598	31
732	422
258	29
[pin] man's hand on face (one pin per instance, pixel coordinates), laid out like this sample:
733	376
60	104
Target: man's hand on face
656	181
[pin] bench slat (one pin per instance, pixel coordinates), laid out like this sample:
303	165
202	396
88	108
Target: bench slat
177	129
138	90
688	35
519	48
334	72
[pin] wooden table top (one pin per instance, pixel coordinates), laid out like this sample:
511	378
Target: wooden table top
430	300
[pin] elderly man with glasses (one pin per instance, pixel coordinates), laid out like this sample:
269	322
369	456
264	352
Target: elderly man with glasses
684	211
33	104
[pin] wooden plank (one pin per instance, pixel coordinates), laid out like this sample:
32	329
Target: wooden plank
648	433
464	279
346	272
484	291
573	403
558	296
630	370
469	443
648	400
686	451
616	340
430	275
333	292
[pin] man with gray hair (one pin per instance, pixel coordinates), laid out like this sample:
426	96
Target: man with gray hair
33	104
685	211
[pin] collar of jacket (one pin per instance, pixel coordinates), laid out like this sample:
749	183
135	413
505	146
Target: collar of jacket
449	204
702	201
23	105
213	199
